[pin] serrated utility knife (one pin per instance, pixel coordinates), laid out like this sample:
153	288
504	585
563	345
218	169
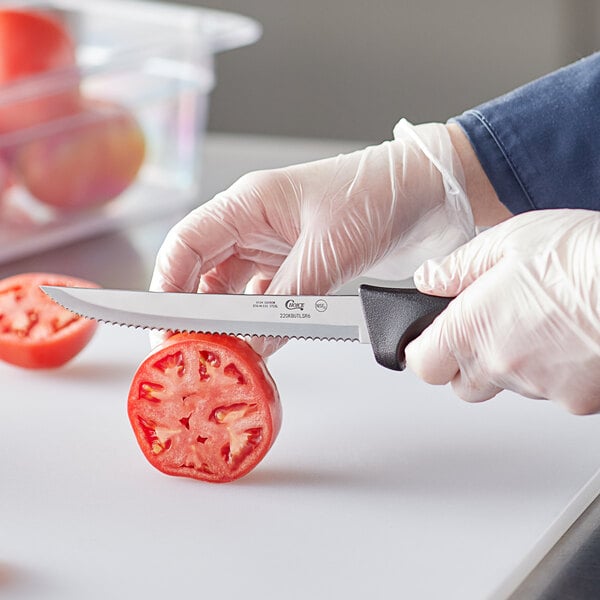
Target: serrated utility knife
387	318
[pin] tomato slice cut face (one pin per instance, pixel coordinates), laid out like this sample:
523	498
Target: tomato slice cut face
35	332
204	406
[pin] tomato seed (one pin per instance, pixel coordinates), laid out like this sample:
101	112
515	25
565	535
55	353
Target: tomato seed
149	431
233	412
208	357
202	467
203	372
254	434
172	363
226	453
14	289
24	323
232	371
243	445
150	391
63	320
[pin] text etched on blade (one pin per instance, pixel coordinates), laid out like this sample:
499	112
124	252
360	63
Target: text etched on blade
291	308
264	304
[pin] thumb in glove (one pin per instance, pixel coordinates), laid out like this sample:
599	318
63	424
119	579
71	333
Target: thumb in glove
526	316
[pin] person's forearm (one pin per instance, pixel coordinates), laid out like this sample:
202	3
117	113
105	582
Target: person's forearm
485	204
538	145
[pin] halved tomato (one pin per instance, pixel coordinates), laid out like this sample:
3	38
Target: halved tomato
204	406
35	332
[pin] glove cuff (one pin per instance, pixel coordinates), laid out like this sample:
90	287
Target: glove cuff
444	225
435	143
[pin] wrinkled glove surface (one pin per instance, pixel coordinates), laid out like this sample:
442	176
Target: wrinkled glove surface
527	313
311	228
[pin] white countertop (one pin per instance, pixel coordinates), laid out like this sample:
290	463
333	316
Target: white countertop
378	486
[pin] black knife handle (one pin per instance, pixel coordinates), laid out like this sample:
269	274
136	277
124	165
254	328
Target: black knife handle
395	317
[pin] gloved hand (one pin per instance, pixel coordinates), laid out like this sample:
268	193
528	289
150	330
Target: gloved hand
310	228
527	314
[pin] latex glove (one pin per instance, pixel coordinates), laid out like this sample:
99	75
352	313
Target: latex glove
527	315
310	228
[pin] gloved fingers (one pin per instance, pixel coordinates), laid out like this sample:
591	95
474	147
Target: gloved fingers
450	275
193	246
349	221
429	356
266	346
580	401
229	277
232	276
452	348
474	388
157	337
434	355
258	285
299	273
322	260
236	276
443	354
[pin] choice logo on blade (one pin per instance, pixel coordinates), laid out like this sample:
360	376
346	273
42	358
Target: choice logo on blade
293	305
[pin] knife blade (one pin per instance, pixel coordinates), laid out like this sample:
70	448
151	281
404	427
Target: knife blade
387	318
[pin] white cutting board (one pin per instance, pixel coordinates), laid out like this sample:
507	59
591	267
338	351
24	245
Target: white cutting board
377	487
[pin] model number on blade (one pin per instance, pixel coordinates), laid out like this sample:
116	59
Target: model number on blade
294	315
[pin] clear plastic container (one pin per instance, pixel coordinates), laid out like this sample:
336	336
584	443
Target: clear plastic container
154	60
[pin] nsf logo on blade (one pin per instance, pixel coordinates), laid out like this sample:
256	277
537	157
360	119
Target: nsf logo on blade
293	305
321	305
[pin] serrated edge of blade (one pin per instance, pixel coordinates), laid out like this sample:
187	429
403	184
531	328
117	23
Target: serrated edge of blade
217	332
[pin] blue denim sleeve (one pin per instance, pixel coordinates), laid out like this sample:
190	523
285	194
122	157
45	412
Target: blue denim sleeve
540	144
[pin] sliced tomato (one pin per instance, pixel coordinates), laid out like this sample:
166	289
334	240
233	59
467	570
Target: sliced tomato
204	406
35	332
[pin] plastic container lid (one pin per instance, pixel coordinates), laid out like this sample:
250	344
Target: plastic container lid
221	30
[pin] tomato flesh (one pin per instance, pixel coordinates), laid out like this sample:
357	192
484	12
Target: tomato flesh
35	332
204	406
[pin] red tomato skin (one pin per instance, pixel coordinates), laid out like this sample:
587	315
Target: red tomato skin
33	43
86	164
50	351
264	391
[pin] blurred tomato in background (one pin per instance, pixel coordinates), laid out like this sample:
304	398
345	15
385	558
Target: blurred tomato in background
68	151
